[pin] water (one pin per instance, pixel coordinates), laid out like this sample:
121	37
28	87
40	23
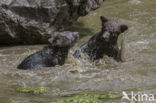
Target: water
137	72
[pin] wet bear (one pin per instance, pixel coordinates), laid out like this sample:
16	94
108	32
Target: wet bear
104	42
54	54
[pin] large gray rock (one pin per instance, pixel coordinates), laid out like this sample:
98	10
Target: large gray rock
33	21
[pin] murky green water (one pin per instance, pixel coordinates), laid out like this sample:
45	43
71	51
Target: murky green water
137	72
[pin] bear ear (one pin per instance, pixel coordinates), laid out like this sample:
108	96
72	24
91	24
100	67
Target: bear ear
50	40
103	19
123	28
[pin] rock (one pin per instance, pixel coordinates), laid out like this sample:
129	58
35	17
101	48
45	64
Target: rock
33	21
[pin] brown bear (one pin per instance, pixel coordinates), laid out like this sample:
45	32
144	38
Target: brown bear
54	54
104	42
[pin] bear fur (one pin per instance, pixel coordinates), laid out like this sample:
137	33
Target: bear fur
54	54
104	42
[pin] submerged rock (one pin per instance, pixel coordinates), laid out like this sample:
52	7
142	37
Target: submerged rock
33	21
88	98
39	90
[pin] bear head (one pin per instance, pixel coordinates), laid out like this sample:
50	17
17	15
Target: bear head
63	39
111	30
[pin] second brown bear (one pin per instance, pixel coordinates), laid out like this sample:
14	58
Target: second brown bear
104	42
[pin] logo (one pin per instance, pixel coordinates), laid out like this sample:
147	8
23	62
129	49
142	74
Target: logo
138	97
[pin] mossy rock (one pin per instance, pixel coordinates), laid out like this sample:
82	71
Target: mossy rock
38	90
88	98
